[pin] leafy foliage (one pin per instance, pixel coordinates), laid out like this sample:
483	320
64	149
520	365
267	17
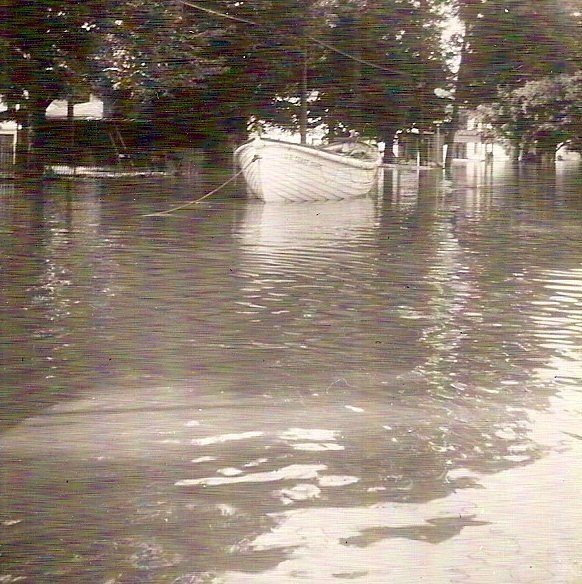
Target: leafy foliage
143	48
263	50
45	47
207	67
398	66
147	49
371	65
136	51
510	42
538	116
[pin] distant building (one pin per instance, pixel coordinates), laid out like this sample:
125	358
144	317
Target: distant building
8	131
93	109
471	141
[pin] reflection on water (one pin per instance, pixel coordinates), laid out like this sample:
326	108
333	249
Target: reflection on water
326	224
278	393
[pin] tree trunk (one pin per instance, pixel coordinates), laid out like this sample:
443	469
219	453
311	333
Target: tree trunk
453	125
303	100
22	142
37	152
388	133
515	151
452	128
29	145
71	127
388	153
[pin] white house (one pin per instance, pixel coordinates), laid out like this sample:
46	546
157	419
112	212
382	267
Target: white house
58	109
7	145
88	110
8	132
469	143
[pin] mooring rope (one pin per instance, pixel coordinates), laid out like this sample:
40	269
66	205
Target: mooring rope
195	201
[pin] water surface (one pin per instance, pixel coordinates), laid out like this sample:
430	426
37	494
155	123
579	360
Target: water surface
379	390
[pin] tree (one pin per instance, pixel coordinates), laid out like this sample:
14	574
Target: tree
45	49
139	50
264	51
370	65
153	63
511	42
506	43
536	118
395	63
149	49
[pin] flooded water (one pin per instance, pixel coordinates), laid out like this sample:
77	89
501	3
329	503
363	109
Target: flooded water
380	390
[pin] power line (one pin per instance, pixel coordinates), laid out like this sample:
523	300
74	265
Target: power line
309	37
221	14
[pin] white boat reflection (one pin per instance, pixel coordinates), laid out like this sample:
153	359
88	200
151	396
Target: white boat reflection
326	224
304	268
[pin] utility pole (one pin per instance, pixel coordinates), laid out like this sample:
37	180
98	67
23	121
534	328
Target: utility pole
303	102
438	152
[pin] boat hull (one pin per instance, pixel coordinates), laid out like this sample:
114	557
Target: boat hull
283	171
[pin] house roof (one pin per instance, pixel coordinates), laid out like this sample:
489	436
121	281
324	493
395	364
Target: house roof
92	109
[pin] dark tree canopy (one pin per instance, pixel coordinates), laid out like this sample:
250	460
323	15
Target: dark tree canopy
263	50
148	49
45	47
136	50
391	83
371	65
538	117
510	42
206	68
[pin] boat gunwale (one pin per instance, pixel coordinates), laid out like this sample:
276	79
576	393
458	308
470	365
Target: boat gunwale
364	164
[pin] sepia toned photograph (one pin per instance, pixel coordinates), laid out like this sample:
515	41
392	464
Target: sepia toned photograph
290	291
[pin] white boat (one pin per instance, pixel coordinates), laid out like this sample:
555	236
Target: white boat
275	170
